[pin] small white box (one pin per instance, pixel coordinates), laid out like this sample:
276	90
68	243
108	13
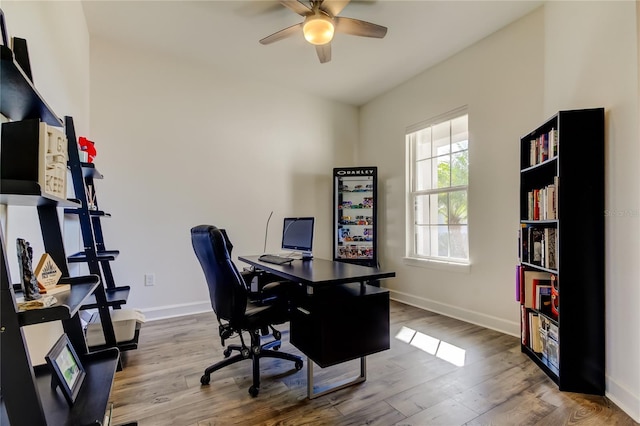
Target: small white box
124	326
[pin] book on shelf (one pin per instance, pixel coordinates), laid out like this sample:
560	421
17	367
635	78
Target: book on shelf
542	203
546	327
553	142
550	253
535	246
538	246
518	283
529	277
555	297
543	147
524	328
542	331
552	347
542	295
551	201
535	343
523	243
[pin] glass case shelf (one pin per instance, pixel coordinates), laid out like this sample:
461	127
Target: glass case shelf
354	236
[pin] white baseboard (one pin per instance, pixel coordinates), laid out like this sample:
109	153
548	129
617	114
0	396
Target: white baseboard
488	321
171	311
623	398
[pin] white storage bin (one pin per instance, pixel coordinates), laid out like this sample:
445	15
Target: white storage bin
124	326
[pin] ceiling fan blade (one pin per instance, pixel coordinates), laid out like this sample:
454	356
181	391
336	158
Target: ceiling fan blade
299	8
359	28
333	7
287	32
324	52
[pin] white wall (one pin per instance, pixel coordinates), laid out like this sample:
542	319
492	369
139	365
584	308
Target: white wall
488	78
566	55
58	43
182	144
602	70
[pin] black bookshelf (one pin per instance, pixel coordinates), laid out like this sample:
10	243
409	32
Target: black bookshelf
575	170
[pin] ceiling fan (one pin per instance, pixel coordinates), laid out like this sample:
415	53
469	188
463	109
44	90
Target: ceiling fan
321	21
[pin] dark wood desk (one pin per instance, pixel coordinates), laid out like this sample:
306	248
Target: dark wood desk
338	315
320	272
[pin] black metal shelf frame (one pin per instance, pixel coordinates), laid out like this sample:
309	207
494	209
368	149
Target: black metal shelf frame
27	397
95	253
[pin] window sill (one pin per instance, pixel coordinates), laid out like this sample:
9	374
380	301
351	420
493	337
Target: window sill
438	264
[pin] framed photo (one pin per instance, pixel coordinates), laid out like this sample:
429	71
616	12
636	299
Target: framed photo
66	370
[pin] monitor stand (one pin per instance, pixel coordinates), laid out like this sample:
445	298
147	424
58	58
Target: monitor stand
307	255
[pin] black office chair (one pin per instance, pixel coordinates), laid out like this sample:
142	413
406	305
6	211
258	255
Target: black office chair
236	313
270	289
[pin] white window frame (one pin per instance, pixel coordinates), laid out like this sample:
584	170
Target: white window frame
412	193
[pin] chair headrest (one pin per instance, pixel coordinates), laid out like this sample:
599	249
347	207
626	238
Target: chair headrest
213	236
227	241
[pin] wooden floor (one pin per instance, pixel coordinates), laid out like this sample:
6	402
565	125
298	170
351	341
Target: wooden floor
486	380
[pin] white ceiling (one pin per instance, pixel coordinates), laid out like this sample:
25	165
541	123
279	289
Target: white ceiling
225	34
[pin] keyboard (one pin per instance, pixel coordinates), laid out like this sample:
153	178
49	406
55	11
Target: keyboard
276	260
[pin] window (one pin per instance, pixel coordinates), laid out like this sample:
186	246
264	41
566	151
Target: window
437	187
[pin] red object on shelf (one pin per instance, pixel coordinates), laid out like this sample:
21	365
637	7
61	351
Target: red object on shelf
89	147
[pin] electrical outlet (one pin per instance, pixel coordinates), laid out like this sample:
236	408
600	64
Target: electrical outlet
149	279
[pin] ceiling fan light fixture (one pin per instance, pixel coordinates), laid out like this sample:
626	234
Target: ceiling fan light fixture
318	29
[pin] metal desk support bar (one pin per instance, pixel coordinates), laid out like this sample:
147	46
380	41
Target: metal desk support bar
323	390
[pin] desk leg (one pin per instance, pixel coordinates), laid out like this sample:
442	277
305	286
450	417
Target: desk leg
323	390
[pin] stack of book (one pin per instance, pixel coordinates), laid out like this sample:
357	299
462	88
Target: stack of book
538	246
543	147
542	204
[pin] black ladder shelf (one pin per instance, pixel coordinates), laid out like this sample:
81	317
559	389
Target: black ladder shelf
95	254
26	395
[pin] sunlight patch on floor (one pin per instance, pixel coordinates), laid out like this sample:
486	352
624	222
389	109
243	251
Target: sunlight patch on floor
431	345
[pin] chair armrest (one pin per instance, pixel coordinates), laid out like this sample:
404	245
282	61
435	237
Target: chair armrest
263	279
269	287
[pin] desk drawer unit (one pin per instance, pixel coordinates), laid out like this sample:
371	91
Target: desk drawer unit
341	323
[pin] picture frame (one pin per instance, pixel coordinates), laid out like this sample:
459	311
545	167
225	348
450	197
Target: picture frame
67	372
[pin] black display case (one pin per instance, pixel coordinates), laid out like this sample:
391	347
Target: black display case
355	215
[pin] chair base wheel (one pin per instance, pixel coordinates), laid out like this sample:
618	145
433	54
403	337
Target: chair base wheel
253	391
298	365
227	353
205	379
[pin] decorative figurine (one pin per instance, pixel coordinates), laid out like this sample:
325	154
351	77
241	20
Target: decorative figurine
25	259
89	147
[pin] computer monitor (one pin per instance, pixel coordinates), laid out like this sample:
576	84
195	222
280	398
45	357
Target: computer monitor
297	234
